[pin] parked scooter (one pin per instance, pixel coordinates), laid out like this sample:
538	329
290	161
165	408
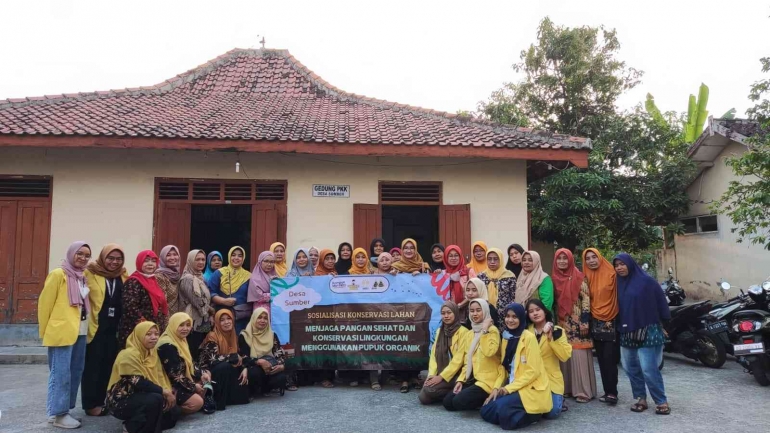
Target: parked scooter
719	318
675	294
752	329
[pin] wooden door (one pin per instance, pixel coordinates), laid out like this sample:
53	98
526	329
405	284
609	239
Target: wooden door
173	227
454	223
7	253
268	225
33	227
367	224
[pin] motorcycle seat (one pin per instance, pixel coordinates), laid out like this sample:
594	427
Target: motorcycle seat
675	309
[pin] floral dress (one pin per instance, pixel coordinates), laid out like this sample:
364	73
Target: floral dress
506	287
137	307
580	315
176	371
125	387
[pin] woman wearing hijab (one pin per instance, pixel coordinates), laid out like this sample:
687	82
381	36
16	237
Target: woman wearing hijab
167	275
195	299
384	265
554	349
411	262
177	361
139	393
526	397
447	343
279	252
533	283
396	253
642	308
259	284
476	289
459	274
313	254
345	258
573	311
230	287
143	299
437	258
501	283
514	259
603	289
219	355
105	278
376	248
326	262
478	257
64	304
262	354
478	362
360	264
213	262
301	265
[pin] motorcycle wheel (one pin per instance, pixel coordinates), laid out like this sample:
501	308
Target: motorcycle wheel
712	349
760	371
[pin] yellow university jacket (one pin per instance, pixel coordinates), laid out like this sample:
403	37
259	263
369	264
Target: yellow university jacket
486	361
97	286
59	322
530	379
456	349
553	351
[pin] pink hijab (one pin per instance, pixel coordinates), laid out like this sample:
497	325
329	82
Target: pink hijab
260	280
75	274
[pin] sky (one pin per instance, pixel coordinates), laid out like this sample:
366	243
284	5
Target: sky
444	55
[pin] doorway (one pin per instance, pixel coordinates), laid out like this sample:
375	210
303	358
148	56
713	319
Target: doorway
420	223
220	227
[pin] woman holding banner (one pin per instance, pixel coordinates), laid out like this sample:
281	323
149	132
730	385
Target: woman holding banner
411	262
447	343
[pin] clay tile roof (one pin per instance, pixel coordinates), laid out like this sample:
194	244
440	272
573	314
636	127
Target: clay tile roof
259	95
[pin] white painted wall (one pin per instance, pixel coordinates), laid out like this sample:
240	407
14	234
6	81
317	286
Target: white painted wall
106	195
703	259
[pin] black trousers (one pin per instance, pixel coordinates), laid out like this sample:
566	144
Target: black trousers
100	355
310	377
194	340
470	398
227	389
143	413
262	383
608	355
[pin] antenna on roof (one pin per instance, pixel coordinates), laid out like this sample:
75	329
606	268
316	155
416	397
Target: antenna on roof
262	42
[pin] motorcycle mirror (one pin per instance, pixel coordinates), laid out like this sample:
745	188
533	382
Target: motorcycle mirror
724	286
645	266
670	271
766	286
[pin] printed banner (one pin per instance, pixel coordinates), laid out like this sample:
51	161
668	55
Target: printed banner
358	322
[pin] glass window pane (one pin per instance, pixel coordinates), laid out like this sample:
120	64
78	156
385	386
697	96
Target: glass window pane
690	225
708	224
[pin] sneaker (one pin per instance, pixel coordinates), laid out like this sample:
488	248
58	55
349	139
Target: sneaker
66	421
52	418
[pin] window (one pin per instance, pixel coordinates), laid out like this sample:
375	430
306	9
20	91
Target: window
700	224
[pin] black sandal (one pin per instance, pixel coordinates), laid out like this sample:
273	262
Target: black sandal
639	406
609	399
663	409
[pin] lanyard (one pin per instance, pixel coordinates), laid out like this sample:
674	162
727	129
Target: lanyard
110	290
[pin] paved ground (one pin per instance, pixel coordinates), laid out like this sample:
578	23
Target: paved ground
702	399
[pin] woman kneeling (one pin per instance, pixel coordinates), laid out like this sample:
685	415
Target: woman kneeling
219	354
178	364
262	355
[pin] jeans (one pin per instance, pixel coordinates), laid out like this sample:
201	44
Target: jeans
65	364
558	402
641	366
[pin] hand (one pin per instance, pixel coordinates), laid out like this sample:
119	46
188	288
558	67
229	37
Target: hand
230	302
206	376
212	312
170	400
264	364
393	271
277	369
433	380
583	330
416	273
487	323
455	276
438	271
491	398
463	303
458	388
243	379
199	390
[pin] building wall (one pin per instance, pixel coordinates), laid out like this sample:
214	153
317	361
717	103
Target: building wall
107	195
704	259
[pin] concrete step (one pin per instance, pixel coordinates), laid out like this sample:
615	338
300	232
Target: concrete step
23	355
19	335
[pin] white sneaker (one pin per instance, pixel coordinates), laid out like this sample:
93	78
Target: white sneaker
66	421
52	418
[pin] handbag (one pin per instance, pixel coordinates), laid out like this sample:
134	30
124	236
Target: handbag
603	330
271	359
243	311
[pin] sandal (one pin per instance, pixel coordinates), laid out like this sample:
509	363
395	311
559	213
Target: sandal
327	384
102	411
662	409
404	388
582	399
564	408
609	399
639	406
376	386
291	388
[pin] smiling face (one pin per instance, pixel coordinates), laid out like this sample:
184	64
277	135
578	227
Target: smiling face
471	292
437	255
447	316
478	253
184	329
151	338
384	263
313	257
620	268
592	261
114	260
82	256
511	320
268	264
279	253
236	259
360	260
409	250
527	264
200	262
378	248
514	256
262	321
476	313
493	261
172	258
396	256
536	314
562	262
226	323
302	259
329	261
453	258
216	263
150	265
345	252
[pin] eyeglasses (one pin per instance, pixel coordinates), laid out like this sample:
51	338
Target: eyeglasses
269	262
493	259
83	256
113	259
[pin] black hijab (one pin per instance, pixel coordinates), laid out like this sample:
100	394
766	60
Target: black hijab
436	265
516	269
513	335
342	267
372	255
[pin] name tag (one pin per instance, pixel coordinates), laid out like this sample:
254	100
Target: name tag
111	312
523	359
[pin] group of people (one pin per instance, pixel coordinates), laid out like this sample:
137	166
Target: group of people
176	337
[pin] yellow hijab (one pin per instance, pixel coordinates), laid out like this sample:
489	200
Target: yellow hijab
495	276
136	360
415	264
359	270
478	266
169	337
280	267
260	342
231	278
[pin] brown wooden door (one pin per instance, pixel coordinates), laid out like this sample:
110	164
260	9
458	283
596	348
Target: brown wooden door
268	225
367	224
454	223
7	253
33	228
173	227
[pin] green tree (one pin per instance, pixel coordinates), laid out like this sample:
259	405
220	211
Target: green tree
638	170
747	201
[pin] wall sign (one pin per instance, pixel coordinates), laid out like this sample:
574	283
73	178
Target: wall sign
331	190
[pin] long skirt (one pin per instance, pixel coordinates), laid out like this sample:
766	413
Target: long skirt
100	355
579	375
508	412
143	413
227	389
260	383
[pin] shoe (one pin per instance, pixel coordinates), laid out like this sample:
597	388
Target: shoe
66	421
52	418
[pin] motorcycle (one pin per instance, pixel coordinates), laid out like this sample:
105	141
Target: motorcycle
675	294
717	320
752	330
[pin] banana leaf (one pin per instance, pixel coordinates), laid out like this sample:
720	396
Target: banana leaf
703	114
652	109
689	127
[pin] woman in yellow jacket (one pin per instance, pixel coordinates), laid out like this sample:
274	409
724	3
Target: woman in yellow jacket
105	277
478	362
554	348
62	314
527	396
447	344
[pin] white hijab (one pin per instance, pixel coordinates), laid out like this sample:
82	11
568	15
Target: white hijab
476	328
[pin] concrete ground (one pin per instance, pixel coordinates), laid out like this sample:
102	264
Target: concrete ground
702	400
